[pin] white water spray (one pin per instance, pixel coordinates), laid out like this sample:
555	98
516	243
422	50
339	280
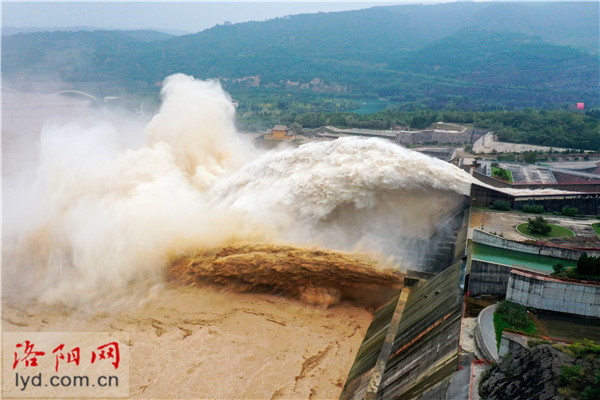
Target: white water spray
106	219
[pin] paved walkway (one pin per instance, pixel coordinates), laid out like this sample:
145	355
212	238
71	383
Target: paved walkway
486	335
476	376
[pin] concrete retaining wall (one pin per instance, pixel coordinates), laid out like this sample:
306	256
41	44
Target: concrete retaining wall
483	196
434	136
589	191
489	142
511	343
491	181
496	241
485	335
545	293
488	278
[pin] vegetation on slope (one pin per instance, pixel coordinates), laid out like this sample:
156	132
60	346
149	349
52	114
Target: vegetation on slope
502	174
487	56
511	315
580	379
554	128
588	268
546	371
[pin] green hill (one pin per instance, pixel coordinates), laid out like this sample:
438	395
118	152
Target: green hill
471	54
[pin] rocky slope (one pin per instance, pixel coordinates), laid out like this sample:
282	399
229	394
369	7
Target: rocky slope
538	373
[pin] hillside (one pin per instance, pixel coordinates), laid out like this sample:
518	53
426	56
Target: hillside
145	35
472	54
546	372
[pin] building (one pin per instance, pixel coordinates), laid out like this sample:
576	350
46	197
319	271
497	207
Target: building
280	132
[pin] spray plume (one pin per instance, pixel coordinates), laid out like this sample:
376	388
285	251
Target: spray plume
107	219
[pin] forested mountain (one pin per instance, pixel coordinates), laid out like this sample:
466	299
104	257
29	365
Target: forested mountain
470	55
145	35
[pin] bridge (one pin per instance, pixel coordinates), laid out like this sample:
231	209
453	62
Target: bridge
66	92
74	92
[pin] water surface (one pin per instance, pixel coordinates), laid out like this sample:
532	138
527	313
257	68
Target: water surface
517	259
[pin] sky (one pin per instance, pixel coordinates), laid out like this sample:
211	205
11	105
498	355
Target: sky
178	17
190	17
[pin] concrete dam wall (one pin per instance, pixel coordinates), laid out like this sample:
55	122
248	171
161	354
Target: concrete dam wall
550	251
545	293
488	278
421	351
412	344
436	136
425	350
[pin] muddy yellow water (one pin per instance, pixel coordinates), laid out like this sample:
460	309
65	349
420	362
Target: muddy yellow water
312	275
190	342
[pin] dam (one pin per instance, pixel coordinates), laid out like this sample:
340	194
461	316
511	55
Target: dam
190	238
179	231
413	348
412	345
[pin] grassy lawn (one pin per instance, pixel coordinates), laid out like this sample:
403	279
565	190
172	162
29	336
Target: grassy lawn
596	227
511	315
510	177
557	231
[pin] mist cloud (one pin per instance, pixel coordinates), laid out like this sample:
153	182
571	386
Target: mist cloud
104	219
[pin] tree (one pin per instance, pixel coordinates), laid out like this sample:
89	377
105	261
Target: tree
533	208
501	205
588	265
296	128
570	211
311	120
538	225
501	174
558	268
530	157
585	264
